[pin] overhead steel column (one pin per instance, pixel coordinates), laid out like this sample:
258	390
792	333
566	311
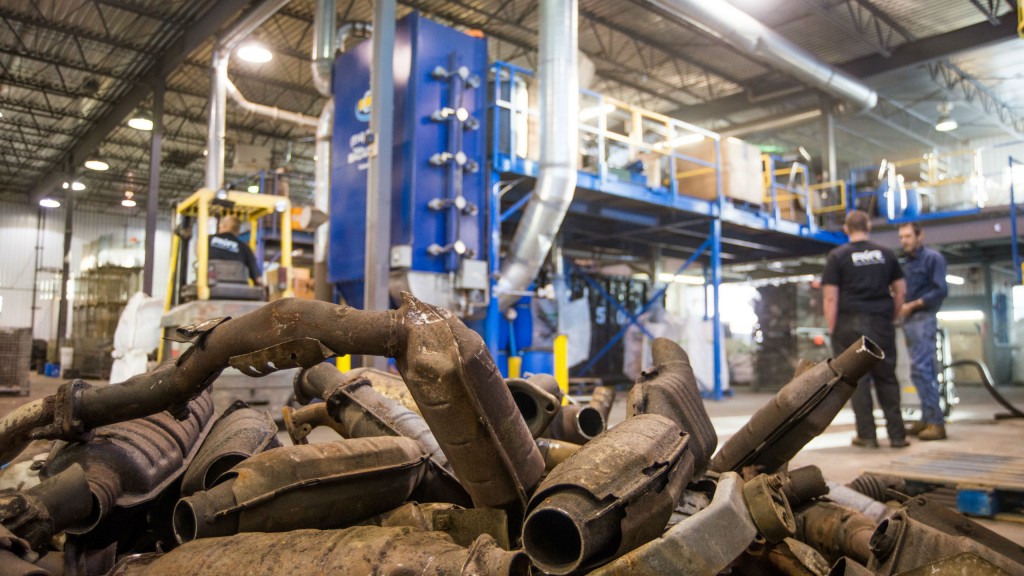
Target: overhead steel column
65	274
152	201
378	187
828	143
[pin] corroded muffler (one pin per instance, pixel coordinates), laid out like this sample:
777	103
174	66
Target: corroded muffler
315	485
46	509
799	412
670	389
130	463
356	551
446	365
705	543
238	434
616	493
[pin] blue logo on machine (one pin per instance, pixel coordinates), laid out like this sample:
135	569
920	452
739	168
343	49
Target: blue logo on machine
363	107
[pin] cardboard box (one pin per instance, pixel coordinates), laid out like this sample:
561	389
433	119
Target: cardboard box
741	171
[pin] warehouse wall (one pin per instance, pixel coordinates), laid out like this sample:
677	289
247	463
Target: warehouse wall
18	237
994	156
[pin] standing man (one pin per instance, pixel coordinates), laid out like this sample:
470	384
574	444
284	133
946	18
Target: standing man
863	291
925	270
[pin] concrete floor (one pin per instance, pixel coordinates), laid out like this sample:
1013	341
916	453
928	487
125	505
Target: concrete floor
972	429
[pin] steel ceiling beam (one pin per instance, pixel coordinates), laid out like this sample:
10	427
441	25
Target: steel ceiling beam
955	81
191	38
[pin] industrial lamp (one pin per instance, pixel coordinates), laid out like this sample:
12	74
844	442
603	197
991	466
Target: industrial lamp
49	203
129	200
97	165
255	52
945	123
141	121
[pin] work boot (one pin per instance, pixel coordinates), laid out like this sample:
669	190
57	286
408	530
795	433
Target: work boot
933	432
899	443
916	428
864	442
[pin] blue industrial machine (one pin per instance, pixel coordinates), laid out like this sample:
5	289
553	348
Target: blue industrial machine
438	250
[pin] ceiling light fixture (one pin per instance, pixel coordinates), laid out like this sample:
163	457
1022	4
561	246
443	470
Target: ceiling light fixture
97	165
129	201
254	189
954	279
945	123
141	121
77	186
254	52
49	203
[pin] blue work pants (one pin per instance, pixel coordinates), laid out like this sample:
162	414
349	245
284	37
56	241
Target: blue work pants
919	330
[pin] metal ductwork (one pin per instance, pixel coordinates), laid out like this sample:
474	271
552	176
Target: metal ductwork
244	26
272	112
323	45
741	31
556	177
322	199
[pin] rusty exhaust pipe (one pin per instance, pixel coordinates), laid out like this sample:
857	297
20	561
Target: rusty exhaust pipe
238	434
300	423
577	424
616	493
801	410
316	485
537	406
450	373
670	389
46	509
312	385
356	551
129	463
835	531
555	451
602	399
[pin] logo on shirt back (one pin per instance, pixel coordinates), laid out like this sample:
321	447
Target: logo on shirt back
867	257
224	244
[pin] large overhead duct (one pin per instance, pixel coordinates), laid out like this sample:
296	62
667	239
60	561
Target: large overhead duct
244	26
272	112
737	28
556	177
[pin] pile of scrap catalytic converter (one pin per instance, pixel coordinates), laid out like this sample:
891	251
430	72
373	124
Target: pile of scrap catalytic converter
446	469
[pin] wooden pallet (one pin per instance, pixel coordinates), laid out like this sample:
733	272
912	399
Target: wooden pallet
985	484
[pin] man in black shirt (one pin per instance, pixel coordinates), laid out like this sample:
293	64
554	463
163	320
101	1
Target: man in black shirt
225	245
863	291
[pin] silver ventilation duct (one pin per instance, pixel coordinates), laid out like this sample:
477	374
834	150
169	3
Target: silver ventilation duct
556	178
737	28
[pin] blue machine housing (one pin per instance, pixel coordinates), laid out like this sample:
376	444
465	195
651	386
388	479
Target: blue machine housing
422	49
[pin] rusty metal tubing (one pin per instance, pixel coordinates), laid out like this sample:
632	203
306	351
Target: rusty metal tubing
849	567
555	451
613	495
312	486
877	486
537	406
901	544
312	385
448	369
577	424
301	422
130	463
238	434
803	485
801	410
602	399
14	556
835	531
364	412
670	389
46	509
355	551
705	543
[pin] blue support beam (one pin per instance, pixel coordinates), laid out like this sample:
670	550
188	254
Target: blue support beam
1013	220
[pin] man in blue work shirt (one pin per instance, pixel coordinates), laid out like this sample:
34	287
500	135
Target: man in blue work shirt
862	289
925	272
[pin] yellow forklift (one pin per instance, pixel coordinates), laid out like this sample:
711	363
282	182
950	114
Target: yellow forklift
221	288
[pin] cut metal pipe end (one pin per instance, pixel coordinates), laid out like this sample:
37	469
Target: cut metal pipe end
577	424
537	406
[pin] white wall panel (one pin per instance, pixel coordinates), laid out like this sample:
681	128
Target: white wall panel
18	245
